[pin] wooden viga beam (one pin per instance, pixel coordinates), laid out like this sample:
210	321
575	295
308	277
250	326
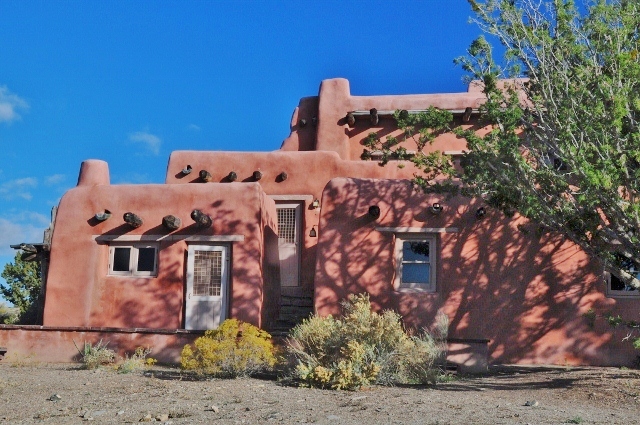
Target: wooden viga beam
202	220
132	219
205	176
171	222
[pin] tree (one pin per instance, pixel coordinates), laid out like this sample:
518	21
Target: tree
22	287
564	149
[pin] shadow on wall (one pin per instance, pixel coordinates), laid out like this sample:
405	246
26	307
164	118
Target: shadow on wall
158	302
524	291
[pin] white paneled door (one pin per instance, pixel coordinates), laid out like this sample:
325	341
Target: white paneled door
289	215
207	286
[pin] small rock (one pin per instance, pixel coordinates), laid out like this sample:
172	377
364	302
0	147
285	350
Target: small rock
162	417
333	418
146	418
121	412
55	397
531	403
99	413
358	399
214	408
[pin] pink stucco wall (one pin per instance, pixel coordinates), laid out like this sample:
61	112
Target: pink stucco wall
36	344
524	292
81	293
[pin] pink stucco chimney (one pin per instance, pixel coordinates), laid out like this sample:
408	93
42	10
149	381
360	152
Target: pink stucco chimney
93	172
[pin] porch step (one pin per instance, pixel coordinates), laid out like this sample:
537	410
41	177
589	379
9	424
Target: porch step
293	310
300	301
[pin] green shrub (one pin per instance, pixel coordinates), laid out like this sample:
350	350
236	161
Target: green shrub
137	361
233	349
96	355
8	315
363	348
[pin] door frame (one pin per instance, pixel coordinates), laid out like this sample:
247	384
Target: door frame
299	206
225	282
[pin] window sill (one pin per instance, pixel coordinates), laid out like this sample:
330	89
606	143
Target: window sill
623	294
137	276
415	291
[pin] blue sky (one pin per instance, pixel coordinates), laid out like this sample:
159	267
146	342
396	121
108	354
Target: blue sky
129	82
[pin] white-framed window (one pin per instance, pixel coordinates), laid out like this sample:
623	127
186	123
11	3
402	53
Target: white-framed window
138	259
415	262
617	288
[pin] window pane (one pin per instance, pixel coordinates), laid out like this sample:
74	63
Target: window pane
121	259
416	273
207	273
287	225
619	285
146	259
415	251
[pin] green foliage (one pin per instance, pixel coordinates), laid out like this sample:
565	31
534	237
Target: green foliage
138	361
590	315
8	315
422	129
234	349
565	146
22	288
363	347
93	356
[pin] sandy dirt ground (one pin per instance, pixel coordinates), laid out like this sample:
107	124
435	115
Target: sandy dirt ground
65	394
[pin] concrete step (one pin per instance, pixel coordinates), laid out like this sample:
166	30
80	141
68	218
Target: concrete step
296	301
292	309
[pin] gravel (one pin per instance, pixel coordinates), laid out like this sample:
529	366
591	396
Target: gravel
61	394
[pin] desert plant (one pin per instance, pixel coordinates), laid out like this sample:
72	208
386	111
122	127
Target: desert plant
234	349
94	355
137	361
363	347
8	315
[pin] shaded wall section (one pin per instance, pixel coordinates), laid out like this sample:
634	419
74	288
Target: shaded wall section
34	344
497	278
80	292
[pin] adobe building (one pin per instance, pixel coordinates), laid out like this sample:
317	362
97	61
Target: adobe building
268	237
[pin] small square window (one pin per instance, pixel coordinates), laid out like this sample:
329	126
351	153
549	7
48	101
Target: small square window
133	260
616	286
415	262
121	259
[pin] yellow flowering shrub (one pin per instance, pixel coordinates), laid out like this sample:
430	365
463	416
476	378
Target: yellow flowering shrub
234	349
363	347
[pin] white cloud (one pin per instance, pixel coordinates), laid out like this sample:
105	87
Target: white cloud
13	233
18	188
10	104
54	179
193	127
30	217
151	141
